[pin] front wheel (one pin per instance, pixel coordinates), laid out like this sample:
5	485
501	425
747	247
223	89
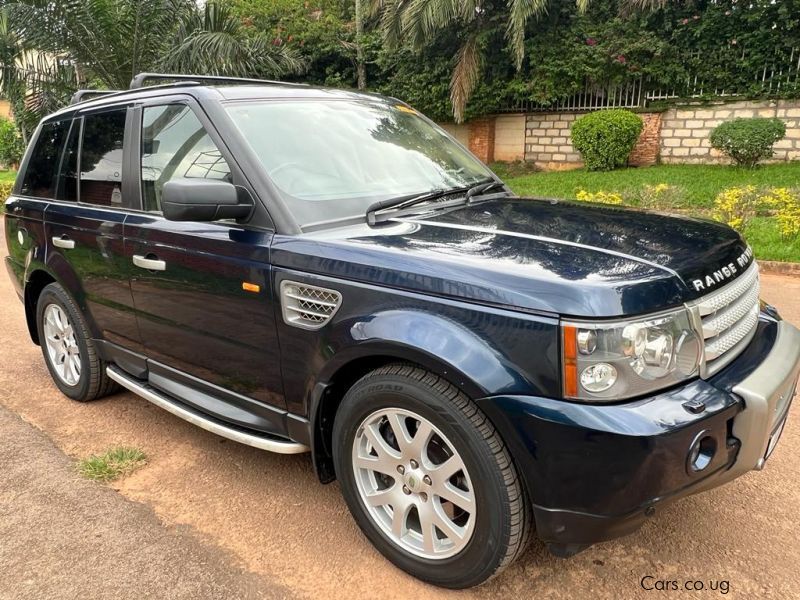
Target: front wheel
428	479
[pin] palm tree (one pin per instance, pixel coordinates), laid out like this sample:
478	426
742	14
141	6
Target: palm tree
34	84
213	42
113	40
418	21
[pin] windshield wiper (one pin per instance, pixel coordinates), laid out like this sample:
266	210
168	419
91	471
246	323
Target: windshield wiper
407	201
470	192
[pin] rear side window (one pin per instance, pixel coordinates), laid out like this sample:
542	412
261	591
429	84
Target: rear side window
40	178
101	158
175	145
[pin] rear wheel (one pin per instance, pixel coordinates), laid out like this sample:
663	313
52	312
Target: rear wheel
427	477
68	349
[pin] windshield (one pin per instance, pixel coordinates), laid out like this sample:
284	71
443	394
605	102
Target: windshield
332	159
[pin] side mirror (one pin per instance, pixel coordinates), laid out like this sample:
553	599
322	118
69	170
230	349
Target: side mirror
202	200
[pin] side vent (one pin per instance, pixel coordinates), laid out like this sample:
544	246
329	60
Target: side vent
308	306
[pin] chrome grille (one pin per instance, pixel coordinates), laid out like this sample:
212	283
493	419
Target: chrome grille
308	306
727	319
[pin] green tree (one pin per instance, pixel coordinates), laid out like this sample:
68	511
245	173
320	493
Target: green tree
34	85
476	23
213	41
110	41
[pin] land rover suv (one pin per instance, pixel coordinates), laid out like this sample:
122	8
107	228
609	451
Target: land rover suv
316	270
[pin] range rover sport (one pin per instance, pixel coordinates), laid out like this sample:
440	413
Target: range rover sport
316	270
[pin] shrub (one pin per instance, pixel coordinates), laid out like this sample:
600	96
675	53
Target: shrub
605	138
5	192
736	206
660	196
11	146
786	203
600	197
748	141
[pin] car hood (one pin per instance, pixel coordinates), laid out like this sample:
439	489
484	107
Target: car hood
566	258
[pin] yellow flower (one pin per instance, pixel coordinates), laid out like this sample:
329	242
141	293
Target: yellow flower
736	206
600	197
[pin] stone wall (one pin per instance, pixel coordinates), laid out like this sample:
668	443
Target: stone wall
685	130
679	135
547	140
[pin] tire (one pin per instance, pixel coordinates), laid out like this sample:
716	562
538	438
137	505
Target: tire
88	380
489	524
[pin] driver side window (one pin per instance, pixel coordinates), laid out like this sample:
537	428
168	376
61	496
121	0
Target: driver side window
175	145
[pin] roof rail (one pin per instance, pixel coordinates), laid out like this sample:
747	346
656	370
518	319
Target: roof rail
81	95
139	80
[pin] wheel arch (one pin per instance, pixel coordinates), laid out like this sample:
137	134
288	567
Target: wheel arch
327	395
36	281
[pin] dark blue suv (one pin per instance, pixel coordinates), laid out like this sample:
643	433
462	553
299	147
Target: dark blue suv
304	269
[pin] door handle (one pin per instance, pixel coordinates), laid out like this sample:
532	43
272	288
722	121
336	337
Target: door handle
63	242
151	264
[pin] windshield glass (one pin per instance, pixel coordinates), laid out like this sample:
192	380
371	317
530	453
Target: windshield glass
331	159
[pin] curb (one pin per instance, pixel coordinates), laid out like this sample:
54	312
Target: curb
779	268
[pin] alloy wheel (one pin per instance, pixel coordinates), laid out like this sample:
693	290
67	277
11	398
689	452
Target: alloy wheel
413	483
62	347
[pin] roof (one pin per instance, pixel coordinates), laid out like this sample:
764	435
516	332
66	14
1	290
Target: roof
222	92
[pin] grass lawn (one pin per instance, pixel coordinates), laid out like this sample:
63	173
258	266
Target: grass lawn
8	176
701	183
696	187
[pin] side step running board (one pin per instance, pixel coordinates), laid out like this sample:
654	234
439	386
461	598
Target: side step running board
196	418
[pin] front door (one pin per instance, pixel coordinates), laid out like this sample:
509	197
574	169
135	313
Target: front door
202	290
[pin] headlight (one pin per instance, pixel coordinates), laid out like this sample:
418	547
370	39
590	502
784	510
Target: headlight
613	360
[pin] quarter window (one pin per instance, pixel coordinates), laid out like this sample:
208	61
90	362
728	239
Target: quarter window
40	175
175	145
68	176
101	158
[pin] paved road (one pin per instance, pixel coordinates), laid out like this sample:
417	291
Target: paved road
62	536
268	514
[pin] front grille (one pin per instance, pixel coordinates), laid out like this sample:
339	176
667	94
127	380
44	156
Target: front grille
727	319
308	306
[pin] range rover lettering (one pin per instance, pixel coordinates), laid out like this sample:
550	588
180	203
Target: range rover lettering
316	270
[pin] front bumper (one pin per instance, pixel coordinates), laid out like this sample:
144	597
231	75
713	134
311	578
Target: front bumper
596	472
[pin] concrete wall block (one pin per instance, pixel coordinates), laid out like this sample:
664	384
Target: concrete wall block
683	133
670	142
680	151
694	123
700	133
690	143
560	157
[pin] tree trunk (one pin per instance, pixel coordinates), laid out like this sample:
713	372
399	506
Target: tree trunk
361	67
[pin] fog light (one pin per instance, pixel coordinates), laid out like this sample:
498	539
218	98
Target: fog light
598	377
701	452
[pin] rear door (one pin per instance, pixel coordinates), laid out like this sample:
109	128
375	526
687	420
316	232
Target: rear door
202	290
37	186
84	226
